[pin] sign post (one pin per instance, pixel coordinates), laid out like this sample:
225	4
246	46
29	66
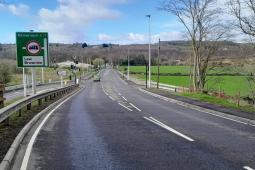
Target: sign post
24	83
32	52
62	73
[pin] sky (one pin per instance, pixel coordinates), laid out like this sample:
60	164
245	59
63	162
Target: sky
90	21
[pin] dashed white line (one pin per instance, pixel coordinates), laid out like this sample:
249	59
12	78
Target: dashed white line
32	140
247	168
155	121
111	97
125	107
124	98
135	107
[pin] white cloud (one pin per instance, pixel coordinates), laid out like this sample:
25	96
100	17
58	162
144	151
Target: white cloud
18	10
136	38
105	37
68	22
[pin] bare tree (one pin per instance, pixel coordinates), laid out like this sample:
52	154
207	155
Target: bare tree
204	27
244	12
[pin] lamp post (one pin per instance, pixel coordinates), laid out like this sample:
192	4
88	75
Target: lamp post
128	65
149	77
158	63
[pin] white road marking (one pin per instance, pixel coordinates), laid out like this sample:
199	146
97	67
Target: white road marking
135	107
197	109
125	107
124	98
111	98
155	121
247	168
32	140
105	91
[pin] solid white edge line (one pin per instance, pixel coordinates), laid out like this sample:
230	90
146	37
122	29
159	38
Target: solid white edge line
124	98
32	140
125	107
247	168
197	109
169	129
135	107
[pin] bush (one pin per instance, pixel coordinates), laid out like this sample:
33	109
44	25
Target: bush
5	73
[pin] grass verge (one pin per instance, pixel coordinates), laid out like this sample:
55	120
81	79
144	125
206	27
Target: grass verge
219	101
227	103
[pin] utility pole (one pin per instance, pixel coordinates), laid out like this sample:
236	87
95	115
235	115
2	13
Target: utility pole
158	62
149	83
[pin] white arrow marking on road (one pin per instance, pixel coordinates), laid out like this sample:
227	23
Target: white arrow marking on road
155	121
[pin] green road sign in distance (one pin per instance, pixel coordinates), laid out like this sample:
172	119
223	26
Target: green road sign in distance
32	49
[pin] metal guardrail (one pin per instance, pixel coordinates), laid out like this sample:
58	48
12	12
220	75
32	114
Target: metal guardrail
154	84
7	111
19	87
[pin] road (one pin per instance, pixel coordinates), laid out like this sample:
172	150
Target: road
19	93
112	125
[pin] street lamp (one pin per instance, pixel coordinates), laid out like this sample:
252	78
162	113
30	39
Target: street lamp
128	64
149	83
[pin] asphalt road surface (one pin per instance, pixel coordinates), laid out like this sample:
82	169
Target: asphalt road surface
19	93
111	125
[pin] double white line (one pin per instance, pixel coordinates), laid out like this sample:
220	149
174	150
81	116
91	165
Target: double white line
155	121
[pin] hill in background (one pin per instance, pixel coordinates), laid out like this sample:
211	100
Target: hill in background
172	53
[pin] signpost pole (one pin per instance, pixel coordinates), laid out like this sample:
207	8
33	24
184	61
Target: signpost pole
61	81
33	80
42	75
24	83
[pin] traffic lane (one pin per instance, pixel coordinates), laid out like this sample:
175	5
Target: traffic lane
18	93
93	132
234	141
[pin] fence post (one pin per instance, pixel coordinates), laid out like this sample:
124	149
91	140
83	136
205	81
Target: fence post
40	102
219	92
2	89
238	98
29	106
2	95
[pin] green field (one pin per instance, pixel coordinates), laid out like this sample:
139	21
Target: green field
184	70
231	85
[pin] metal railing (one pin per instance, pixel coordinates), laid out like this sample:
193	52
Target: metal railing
154	84
7	111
